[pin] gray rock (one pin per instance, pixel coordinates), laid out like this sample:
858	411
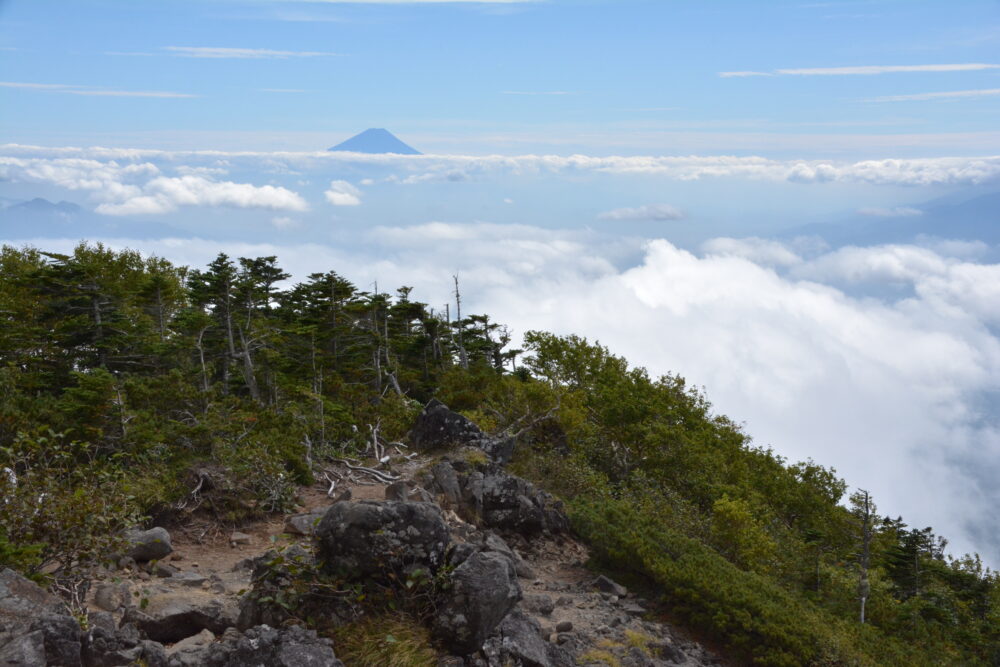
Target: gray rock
110	597
266	646
34	626
539	604
192	579
606	585
240	538
564	626
304	524
483	589
151	544
377	538
437	427
519	641
170	617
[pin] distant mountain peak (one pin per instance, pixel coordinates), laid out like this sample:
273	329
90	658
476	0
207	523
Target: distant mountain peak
375	140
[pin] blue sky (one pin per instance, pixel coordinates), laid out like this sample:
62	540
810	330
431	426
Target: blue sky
793	204
601	77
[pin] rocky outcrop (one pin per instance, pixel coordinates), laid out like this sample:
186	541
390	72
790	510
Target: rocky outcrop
259	646
371	539
439	428
34	626
493	498
481	591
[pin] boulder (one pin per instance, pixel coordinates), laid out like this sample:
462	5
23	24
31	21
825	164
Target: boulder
482	590
606	585
514	504
518	641
372	538
304	524
170	617
107	645
259	646
34	626
437	427
493	498
151	544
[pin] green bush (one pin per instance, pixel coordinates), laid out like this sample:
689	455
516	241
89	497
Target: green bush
752	615
56	496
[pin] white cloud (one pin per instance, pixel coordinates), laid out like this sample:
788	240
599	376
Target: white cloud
886	69
414	169
284	222
759	251
656	212
895	212
742	73
140	188
865	70
90	91
230	52
950	95
342	193
537	92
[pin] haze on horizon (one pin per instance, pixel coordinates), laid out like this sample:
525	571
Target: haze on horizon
792	204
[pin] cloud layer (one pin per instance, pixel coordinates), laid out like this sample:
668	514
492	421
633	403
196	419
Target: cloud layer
420	168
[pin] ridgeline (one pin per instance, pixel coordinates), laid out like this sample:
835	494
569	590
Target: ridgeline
136	393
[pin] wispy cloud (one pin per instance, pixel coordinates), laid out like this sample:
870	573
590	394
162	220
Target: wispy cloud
953	94
240	53
283	90
422	2
537	92
655	212
88	91
864	70
342	193
896	212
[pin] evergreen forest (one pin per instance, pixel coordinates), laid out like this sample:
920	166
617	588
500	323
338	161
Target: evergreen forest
122	376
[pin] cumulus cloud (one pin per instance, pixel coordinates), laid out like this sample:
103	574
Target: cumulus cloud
895	212
764	252
656	212
141	189
342	193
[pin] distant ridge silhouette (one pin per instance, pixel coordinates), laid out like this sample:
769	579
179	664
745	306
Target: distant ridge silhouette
375	140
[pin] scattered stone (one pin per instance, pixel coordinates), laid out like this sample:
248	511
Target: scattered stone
192	644
110	597
164	570
239	538
539	604
564	626
304	524
152	544
606	585
521	641
633	609
193	579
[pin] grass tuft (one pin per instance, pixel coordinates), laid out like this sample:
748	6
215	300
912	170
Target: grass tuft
385	641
